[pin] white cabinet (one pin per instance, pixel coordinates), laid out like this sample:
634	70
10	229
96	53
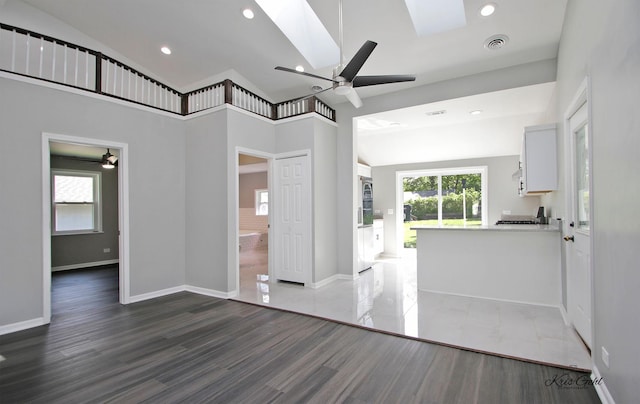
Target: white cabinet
538	161
378	237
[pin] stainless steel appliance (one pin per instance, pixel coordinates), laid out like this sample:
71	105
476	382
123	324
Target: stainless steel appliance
365	224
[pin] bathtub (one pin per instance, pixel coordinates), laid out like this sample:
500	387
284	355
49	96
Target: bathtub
252	239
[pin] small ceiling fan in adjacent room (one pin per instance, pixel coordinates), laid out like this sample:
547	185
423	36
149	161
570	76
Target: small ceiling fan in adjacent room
345	78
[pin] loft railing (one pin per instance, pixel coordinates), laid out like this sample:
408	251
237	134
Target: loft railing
28	53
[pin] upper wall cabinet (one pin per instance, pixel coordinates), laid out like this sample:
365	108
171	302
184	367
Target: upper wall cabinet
538	161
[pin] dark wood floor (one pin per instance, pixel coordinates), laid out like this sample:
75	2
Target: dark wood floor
191	348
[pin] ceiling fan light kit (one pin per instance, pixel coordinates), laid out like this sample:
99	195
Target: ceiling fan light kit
109	160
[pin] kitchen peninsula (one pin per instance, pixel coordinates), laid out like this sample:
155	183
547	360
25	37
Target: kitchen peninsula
519	263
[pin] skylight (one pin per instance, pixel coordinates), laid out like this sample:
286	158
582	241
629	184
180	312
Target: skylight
300	24
434	16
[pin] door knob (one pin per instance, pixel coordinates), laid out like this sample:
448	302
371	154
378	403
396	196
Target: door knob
569	238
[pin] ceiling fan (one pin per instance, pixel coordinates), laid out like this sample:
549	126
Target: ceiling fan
345	78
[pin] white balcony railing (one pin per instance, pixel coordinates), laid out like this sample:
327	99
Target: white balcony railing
39	56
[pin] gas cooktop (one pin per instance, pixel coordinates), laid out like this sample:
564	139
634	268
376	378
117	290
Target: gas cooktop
516	222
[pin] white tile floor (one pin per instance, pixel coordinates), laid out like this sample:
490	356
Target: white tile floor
386	298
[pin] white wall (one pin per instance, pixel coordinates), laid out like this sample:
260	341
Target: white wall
319	136
206	201
324	200
601	40
157	208
502	191
211	192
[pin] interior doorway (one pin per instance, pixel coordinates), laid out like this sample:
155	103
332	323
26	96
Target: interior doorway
85	209
253	212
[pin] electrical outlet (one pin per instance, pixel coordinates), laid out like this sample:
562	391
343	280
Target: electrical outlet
107	250
605	357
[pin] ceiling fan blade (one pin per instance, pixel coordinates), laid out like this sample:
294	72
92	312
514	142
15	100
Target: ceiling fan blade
354	98
362	81
304	97
355	64
286	69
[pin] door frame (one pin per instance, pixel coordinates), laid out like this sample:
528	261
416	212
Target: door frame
582	97
270	158
123	214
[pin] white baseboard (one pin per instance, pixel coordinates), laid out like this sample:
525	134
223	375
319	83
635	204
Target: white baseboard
22	325
184	288
324	282
157	293
211	292
36	322
494	299
333	278
84	265
601	387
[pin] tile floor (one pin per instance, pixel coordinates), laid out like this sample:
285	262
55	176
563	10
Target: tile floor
386	298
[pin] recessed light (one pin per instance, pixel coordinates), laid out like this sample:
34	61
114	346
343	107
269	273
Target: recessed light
299	68
165	50
476	112
248	13
488	9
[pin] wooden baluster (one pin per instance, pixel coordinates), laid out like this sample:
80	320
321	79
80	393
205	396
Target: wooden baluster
41	56
64	65
13	52
53	64
75	75
86	69
128	83
122	71
28	44
107	83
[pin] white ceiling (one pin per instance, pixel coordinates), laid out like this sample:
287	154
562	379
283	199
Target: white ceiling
210	38
78	150
410	135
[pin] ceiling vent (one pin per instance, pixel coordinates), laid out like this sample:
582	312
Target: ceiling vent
496	42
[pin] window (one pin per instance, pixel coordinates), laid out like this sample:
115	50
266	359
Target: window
75	197
443	198
262	202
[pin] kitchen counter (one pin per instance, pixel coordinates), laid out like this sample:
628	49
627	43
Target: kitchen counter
519	263
494	227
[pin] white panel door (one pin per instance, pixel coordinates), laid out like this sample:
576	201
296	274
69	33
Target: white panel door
578	248
292	219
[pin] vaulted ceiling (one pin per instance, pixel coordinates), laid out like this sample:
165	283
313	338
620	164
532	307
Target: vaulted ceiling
210	39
